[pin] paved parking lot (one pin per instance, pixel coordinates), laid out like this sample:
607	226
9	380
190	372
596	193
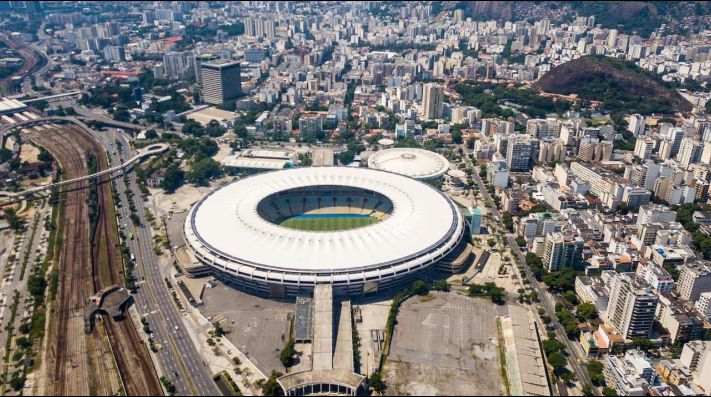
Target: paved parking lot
258	327
445	344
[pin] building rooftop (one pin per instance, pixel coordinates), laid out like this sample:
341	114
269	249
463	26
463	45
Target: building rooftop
415	163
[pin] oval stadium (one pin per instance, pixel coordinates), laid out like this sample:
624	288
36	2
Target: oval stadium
361	230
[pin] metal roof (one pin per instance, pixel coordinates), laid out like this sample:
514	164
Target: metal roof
415	163
225	227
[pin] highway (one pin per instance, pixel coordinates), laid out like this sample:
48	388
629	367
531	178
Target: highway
91	115
547	300
179	358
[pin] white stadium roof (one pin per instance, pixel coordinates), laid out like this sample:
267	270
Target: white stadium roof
412	162
226	230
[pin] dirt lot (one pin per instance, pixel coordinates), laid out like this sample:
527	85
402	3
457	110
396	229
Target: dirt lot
258	327
445	344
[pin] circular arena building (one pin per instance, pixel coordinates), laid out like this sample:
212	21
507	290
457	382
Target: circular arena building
280	233
412	162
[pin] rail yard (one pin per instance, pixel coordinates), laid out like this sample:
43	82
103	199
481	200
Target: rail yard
89	262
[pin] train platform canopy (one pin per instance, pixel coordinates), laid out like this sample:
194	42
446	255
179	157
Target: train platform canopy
8	105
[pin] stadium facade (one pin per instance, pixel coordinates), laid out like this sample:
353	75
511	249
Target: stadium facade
280	233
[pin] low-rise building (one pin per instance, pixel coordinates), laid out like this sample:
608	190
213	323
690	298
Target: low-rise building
657	277
592	290
629	375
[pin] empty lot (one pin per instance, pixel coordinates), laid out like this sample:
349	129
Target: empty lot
445	344
258	327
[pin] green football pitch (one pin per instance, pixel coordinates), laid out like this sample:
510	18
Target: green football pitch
327	224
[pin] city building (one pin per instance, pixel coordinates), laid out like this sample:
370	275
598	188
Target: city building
694	279
629	375
221	81
562	250
632	306
432	101
520	152
636	124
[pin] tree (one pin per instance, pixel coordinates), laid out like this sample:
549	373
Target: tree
376	382
151	134
508	221
571	297
520	241
271	387
642	343
40	105
17	383
491	242
192	127
606	391
5	155
587	390
204	170
173	179
557	361
561	280
287	353
16	223
551	346
595	372
241	131
168	385
586	311
122	114
214	129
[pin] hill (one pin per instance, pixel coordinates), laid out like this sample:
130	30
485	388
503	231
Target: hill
638	17
620	85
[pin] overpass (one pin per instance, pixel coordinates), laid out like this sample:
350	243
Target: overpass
56	96
147	152
61	120
89	115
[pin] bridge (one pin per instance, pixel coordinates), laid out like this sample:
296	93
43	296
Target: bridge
55	96
61	120
147	152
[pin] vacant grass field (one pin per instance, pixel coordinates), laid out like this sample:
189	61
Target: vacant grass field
327	224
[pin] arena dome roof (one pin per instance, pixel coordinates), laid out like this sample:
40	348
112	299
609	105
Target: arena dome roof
226	229
412	162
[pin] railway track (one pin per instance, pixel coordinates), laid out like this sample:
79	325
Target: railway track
131	352
33	59
85	267
69	363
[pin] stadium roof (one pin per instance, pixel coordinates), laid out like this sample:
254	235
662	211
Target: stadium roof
415	163
226	223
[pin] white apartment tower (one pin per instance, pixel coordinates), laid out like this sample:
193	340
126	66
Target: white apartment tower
632	306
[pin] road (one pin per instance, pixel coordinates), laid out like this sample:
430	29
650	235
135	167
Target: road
547	300
91	115
180	360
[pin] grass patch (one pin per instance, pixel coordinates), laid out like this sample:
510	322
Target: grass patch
29	248
328	224
502	356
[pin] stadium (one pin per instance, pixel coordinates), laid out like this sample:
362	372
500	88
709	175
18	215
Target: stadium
415	163
280	233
